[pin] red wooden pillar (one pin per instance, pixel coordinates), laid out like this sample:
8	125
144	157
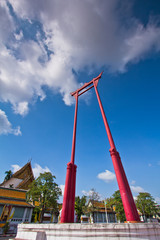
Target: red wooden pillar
126	195
69	192
67	215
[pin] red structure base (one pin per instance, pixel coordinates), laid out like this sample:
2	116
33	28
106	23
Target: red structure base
67	215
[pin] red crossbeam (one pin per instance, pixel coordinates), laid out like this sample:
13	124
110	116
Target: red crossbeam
79	91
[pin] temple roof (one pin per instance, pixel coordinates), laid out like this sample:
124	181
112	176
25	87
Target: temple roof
99	206
12	193
14	202
12	196
24	171
24	176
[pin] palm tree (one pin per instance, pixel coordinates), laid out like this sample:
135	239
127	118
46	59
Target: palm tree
8	175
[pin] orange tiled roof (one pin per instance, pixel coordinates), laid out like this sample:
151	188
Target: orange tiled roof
12	193
100	206
14	202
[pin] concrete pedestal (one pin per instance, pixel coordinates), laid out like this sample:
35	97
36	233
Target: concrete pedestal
111	231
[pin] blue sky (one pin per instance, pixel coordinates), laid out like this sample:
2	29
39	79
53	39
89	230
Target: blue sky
49	49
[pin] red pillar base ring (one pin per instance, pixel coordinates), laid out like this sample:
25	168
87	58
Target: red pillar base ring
67	215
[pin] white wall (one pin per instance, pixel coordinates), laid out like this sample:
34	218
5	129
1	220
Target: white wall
14	181
111	231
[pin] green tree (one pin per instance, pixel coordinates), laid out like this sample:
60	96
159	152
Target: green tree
115	203
79	206
46	192
5	228
110	203
8	175
146	204
35	214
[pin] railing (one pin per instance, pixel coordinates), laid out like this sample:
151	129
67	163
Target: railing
19	220
16	220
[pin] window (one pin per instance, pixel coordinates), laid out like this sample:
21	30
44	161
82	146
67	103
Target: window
19	211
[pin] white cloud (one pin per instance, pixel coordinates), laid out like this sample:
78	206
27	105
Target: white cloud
133	182
107	176
37	169
6	23
135	198
137	189
141	42
83	34
15	168
62	189
6	127
108	38
19	36
21	108
157	199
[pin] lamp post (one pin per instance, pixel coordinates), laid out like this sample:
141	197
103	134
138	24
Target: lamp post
106	211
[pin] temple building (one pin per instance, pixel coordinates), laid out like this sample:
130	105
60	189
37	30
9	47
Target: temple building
100	213
13	204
